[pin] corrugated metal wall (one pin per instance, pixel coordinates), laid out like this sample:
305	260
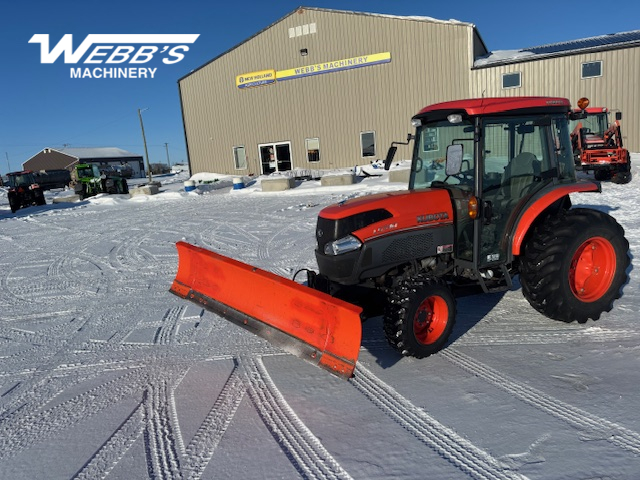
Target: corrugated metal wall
430	62
561	76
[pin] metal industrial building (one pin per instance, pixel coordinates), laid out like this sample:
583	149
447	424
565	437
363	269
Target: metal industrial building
66	158
324	89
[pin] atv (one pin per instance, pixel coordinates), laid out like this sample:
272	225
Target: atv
488	199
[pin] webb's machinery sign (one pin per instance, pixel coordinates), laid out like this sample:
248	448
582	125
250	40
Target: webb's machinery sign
117	50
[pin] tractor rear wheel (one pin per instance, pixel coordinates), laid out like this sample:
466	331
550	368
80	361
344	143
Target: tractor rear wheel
575	265
14	203
419	316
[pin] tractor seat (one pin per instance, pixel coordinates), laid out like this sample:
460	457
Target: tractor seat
520	175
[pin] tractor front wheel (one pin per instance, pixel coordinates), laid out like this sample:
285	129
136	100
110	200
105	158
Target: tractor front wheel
575	265
419	316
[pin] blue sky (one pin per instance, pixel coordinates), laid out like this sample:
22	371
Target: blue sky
41	106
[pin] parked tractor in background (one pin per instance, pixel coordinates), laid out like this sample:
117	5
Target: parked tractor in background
488	199
23	191
87	181
597	145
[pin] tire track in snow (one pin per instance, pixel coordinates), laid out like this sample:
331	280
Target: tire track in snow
470	459
166	332
543	337
22	429
301	446
593	426
112	451
163	459
201	448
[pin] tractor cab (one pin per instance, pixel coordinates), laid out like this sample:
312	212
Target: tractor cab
22	179
493	156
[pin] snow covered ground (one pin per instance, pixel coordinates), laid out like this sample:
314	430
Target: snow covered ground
104	373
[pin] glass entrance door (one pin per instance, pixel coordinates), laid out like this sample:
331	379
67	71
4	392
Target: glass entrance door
275	157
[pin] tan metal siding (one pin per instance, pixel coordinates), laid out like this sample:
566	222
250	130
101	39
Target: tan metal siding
560	76
429	62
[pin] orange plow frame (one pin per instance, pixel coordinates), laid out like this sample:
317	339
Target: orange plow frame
312	325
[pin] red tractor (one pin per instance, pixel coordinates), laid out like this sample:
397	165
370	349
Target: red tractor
24	191
597	145
488	199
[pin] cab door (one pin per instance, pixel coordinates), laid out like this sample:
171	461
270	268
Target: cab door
514	154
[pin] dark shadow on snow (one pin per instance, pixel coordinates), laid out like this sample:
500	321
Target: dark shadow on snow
471	309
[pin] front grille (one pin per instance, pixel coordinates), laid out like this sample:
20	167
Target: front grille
413	246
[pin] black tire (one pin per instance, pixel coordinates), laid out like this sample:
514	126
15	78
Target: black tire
621	177
14	204
602	174
575	265
40	200
419	316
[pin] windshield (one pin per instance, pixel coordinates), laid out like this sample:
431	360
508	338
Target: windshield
595	123
430	152
21	179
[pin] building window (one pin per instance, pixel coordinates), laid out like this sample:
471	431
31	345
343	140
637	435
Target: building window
313	149
511	80
368	144
240	158
592	69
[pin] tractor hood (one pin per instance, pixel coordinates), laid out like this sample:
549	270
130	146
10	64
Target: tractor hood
382	214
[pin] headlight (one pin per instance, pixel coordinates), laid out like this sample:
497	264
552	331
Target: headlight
342	245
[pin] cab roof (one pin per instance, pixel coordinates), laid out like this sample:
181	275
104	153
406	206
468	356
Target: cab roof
497	105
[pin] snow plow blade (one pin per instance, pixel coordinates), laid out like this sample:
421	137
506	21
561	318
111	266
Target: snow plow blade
310	324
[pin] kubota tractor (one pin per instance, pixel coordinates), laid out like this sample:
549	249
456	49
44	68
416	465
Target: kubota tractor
597	145
488	199
24	191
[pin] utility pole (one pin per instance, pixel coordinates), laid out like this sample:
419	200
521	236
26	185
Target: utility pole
8	164
144	140
166	146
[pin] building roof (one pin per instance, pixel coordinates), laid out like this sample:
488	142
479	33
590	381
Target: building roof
582	45
97	152
397	17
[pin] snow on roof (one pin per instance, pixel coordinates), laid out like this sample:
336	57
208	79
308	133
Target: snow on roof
398	17
600	42
97	152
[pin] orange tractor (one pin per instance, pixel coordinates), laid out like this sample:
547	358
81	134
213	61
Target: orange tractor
597	145
488	199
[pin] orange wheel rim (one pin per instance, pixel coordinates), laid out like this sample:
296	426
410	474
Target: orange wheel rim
430	319
592	269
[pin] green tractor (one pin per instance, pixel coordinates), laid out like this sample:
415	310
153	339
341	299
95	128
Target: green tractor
88	180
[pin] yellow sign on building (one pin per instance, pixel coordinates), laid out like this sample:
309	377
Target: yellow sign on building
255	79
265	77
334	66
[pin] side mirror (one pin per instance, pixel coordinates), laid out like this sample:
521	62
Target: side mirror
618	115
390	154
454	159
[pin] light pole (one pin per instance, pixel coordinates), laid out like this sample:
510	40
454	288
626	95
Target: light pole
144	140
166	146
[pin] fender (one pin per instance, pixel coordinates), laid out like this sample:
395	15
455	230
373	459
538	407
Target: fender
534	210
